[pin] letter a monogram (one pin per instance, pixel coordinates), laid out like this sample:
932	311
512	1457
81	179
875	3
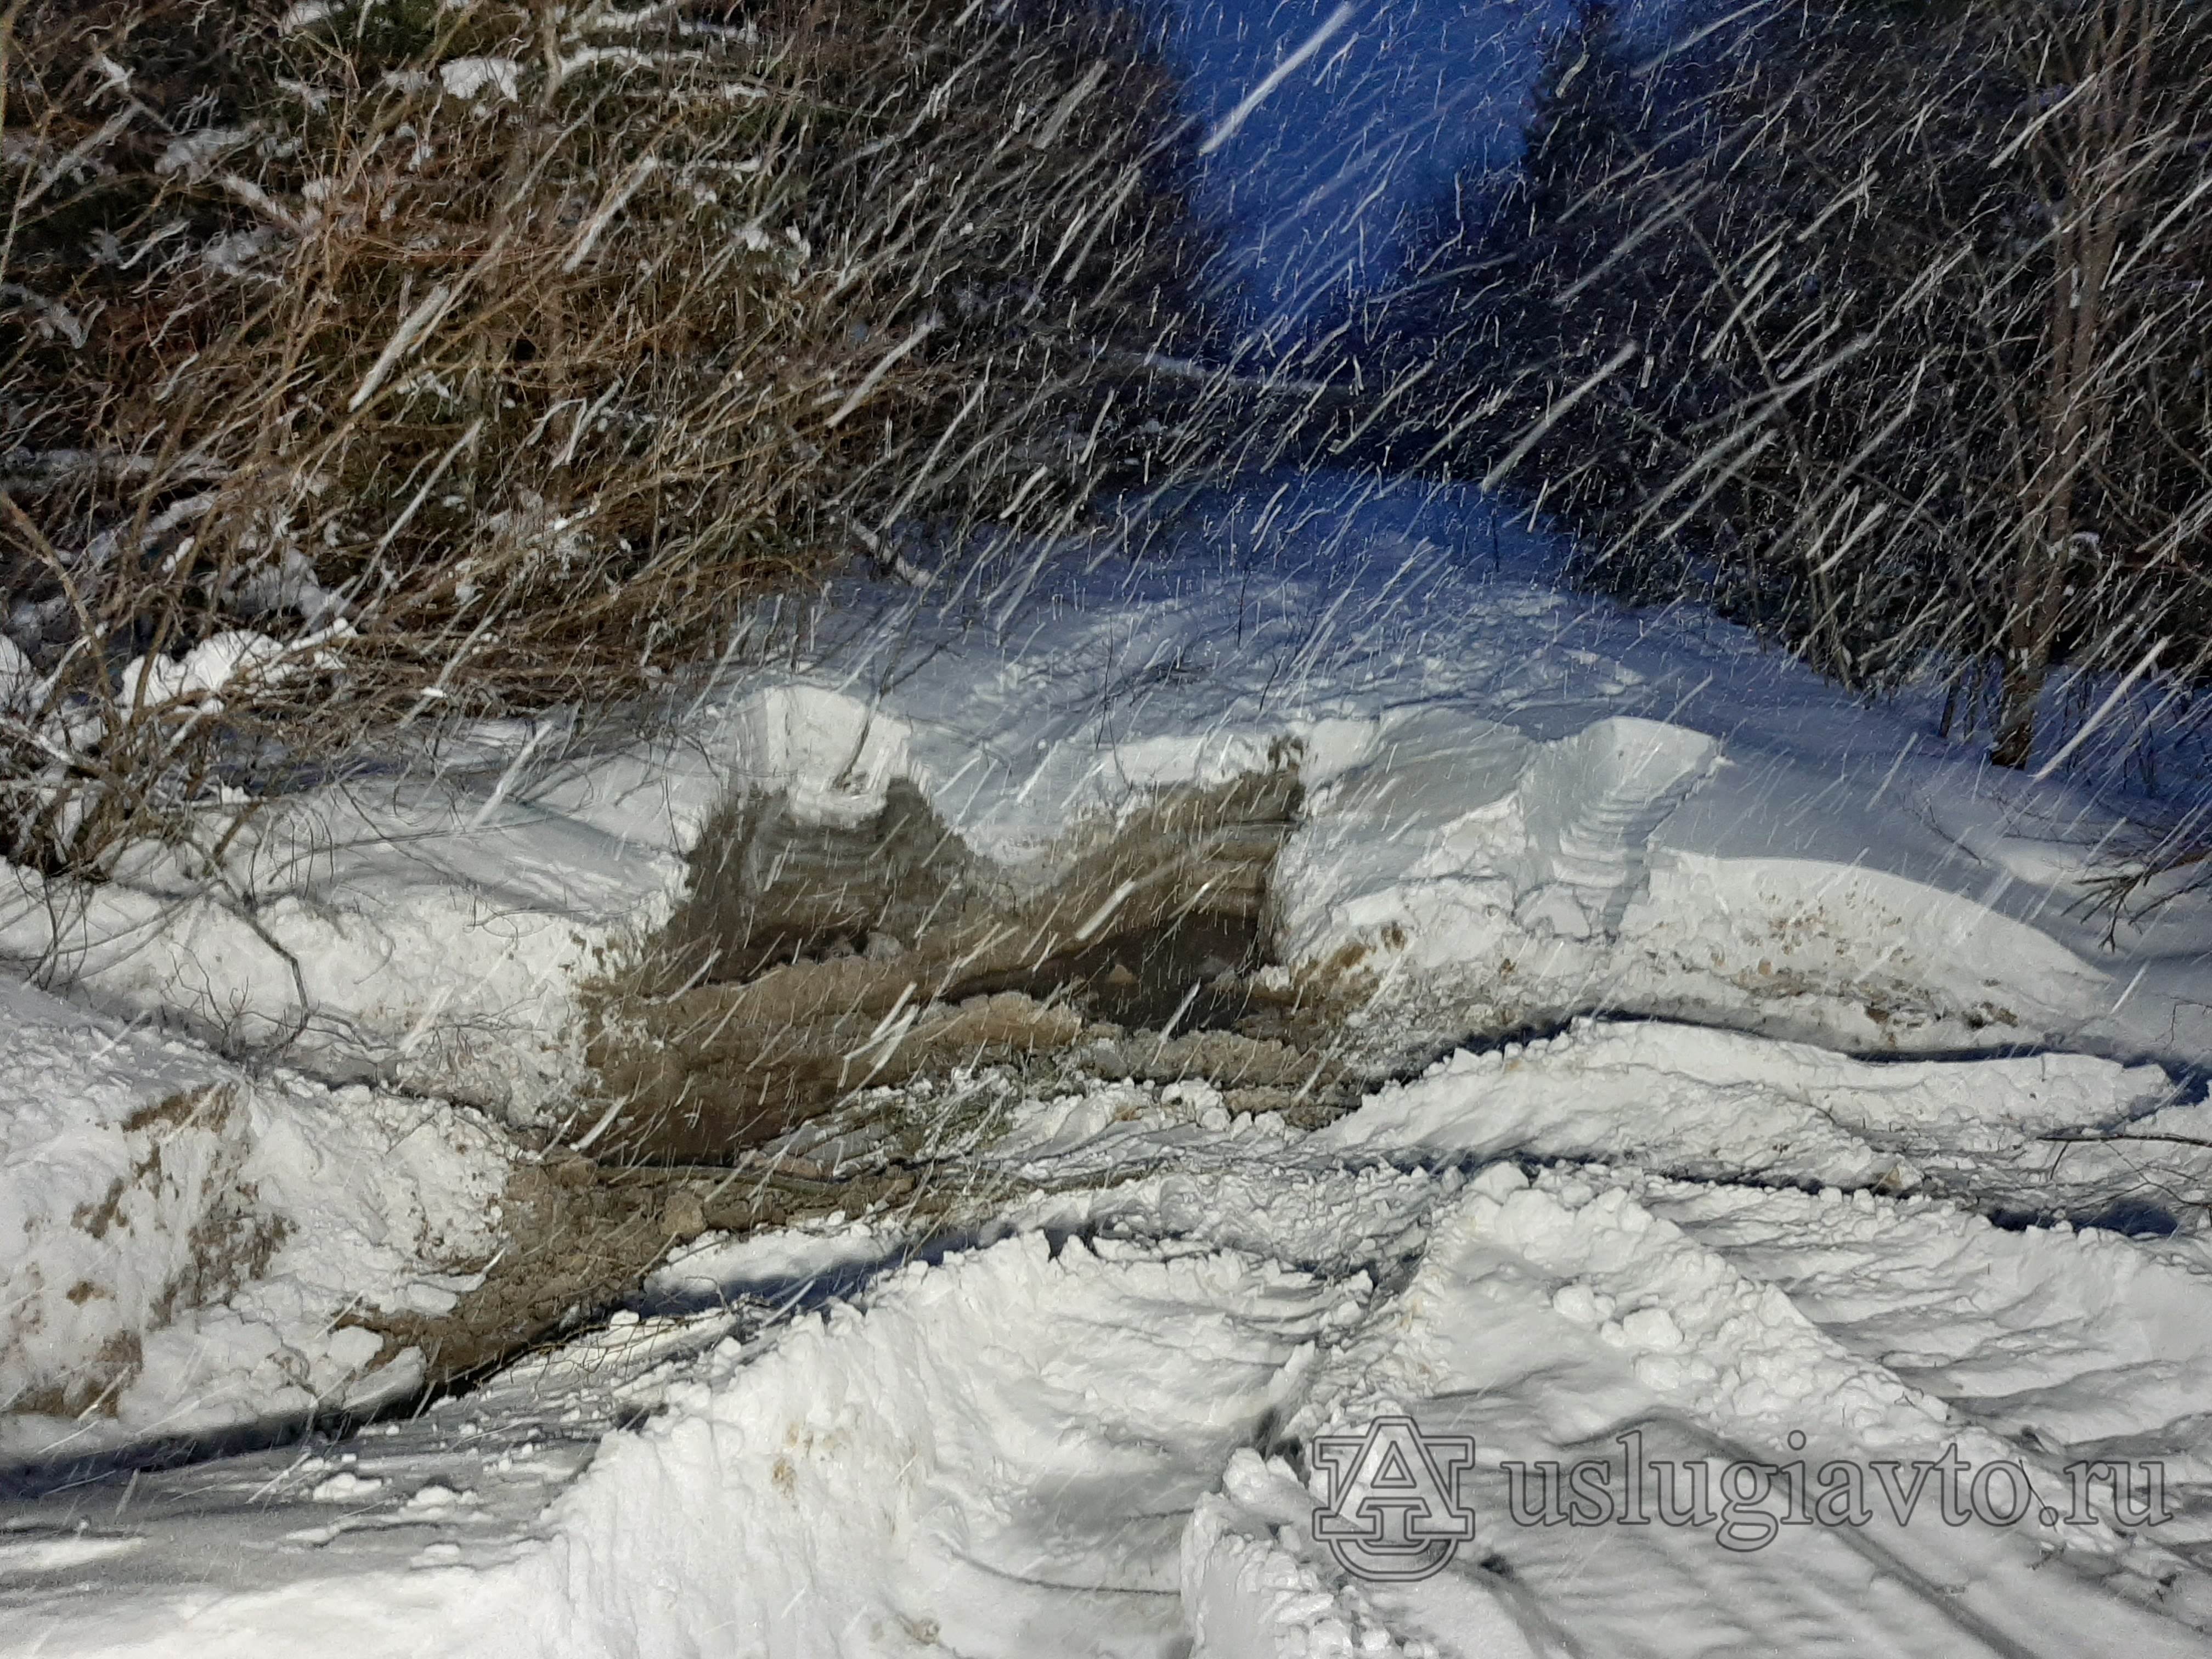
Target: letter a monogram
1392	1509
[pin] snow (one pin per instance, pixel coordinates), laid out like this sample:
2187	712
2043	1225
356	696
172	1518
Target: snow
434	932
771	1265
18	678
207	666
194	152
466	77
191	1239
1518	806
1712	1103
834	757
1458	838
1841	1135
1061	1444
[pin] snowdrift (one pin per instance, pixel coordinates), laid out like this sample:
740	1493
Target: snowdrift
194	1249
1515	808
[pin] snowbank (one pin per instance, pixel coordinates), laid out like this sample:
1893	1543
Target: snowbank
195	1247
1518	806
1456	832
1712	1104
432	934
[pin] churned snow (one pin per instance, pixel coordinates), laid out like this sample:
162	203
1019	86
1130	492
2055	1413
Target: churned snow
1076	1440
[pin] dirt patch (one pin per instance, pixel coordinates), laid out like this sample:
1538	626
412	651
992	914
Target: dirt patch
813	962
580	1237
768	889
92	1386
811	965
573	1247
1189	972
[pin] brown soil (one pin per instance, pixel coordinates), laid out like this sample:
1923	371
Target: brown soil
809	963
580	1237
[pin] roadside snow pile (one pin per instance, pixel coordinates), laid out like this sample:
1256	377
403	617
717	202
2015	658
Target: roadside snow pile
1518	805
1457	835
193	1247
1464	867
435	934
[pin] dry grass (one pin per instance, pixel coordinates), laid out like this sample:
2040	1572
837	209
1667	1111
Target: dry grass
369	364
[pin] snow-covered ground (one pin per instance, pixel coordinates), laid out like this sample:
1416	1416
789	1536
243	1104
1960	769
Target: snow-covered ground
1085	1429
1832	1186
1519	803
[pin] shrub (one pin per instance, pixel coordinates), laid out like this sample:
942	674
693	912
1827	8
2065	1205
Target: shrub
1884	326
390	361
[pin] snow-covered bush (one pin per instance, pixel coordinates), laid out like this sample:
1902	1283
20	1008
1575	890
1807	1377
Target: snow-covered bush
379	361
